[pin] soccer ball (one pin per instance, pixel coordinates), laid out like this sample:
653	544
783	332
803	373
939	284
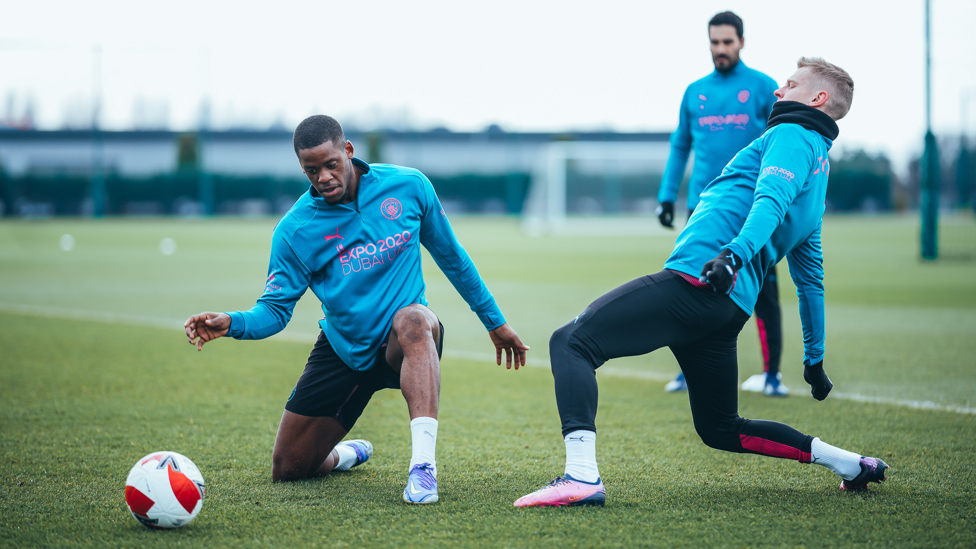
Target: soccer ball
164	490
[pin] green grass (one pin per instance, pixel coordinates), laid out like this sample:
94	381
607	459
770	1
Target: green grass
95	373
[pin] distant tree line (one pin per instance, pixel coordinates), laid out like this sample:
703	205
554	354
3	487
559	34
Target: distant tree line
859	181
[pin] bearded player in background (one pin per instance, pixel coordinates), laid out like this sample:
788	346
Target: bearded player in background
720	115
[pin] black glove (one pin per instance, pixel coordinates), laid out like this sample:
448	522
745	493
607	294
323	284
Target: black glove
665	212
720	272
820	384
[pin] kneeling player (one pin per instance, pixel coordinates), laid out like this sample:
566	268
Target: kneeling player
767	204
354	240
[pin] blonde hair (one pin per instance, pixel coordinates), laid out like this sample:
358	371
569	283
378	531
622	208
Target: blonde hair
839	84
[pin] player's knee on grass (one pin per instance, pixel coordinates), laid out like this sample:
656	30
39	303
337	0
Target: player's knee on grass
283	470
288	468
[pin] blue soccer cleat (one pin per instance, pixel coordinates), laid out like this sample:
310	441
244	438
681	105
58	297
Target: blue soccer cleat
363	449
421	485
775	387
677	384
872	470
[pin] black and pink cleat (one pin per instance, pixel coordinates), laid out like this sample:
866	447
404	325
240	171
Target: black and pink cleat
872	470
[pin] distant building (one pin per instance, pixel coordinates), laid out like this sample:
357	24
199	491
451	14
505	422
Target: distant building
438	153
45	173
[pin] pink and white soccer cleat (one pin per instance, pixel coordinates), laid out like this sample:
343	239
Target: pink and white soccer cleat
565	491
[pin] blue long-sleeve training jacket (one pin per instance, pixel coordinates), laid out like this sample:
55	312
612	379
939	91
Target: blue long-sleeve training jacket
767	204
362	260
720	115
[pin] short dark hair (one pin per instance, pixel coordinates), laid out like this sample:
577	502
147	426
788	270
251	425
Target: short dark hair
727	18
317	129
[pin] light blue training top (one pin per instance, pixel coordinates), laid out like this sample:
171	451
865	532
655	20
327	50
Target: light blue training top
362	260
767	204
720	114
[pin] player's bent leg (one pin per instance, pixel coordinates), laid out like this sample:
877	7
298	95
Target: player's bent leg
327	400
413	351
633	319
711	370
304	446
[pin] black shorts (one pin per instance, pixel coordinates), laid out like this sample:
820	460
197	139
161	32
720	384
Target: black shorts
330	388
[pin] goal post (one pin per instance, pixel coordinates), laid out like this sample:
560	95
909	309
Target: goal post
605	179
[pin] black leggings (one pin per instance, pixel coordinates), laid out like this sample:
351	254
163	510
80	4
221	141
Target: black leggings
769	322
700	327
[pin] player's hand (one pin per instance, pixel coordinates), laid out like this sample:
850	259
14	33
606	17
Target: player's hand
820	384
206	327
720	272
505	338
665	212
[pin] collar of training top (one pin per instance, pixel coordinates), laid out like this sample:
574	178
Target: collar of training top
793	112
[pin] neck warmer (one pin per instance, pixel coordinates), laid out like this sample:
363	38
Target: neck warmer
792	112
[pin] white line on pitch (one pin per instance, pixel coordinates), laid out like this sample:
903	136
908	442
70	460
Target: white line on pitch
303	337
91	316
855	397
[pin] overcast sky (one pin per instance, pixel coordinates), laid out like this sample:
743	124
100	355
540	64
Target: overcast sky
525	65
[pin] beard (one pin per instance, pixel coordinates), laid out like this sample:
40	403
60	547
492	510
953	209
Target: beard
729	63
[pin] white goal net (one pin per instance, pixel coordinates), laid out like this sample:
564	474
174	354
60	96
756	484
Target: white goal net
578	183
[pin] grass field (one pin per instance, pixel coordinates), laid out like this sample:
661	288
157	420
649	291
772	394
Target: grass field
95	373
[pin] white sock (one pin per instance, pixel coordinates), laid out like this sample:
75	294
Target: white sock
840	461
424	433
581	456
347	457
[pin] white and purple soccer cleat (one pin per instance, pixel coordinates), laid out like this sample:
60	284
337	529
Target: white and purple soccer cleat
363	449
872	470
565	491
421	485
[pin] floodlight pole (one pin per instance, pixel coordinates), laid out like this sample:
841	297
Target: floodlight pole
930	159
205	180
964	166
97	172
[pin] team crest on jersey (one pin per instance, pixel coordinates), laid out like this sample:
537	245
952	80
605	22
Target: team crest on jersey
391	208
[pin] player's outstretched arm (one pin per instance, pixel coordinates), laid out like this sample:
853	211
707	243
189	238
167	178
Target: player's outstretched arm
206	327
505	338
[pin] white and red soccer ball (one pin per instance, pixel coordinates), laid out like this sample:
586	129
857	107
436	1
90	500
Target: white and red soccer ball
164	490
